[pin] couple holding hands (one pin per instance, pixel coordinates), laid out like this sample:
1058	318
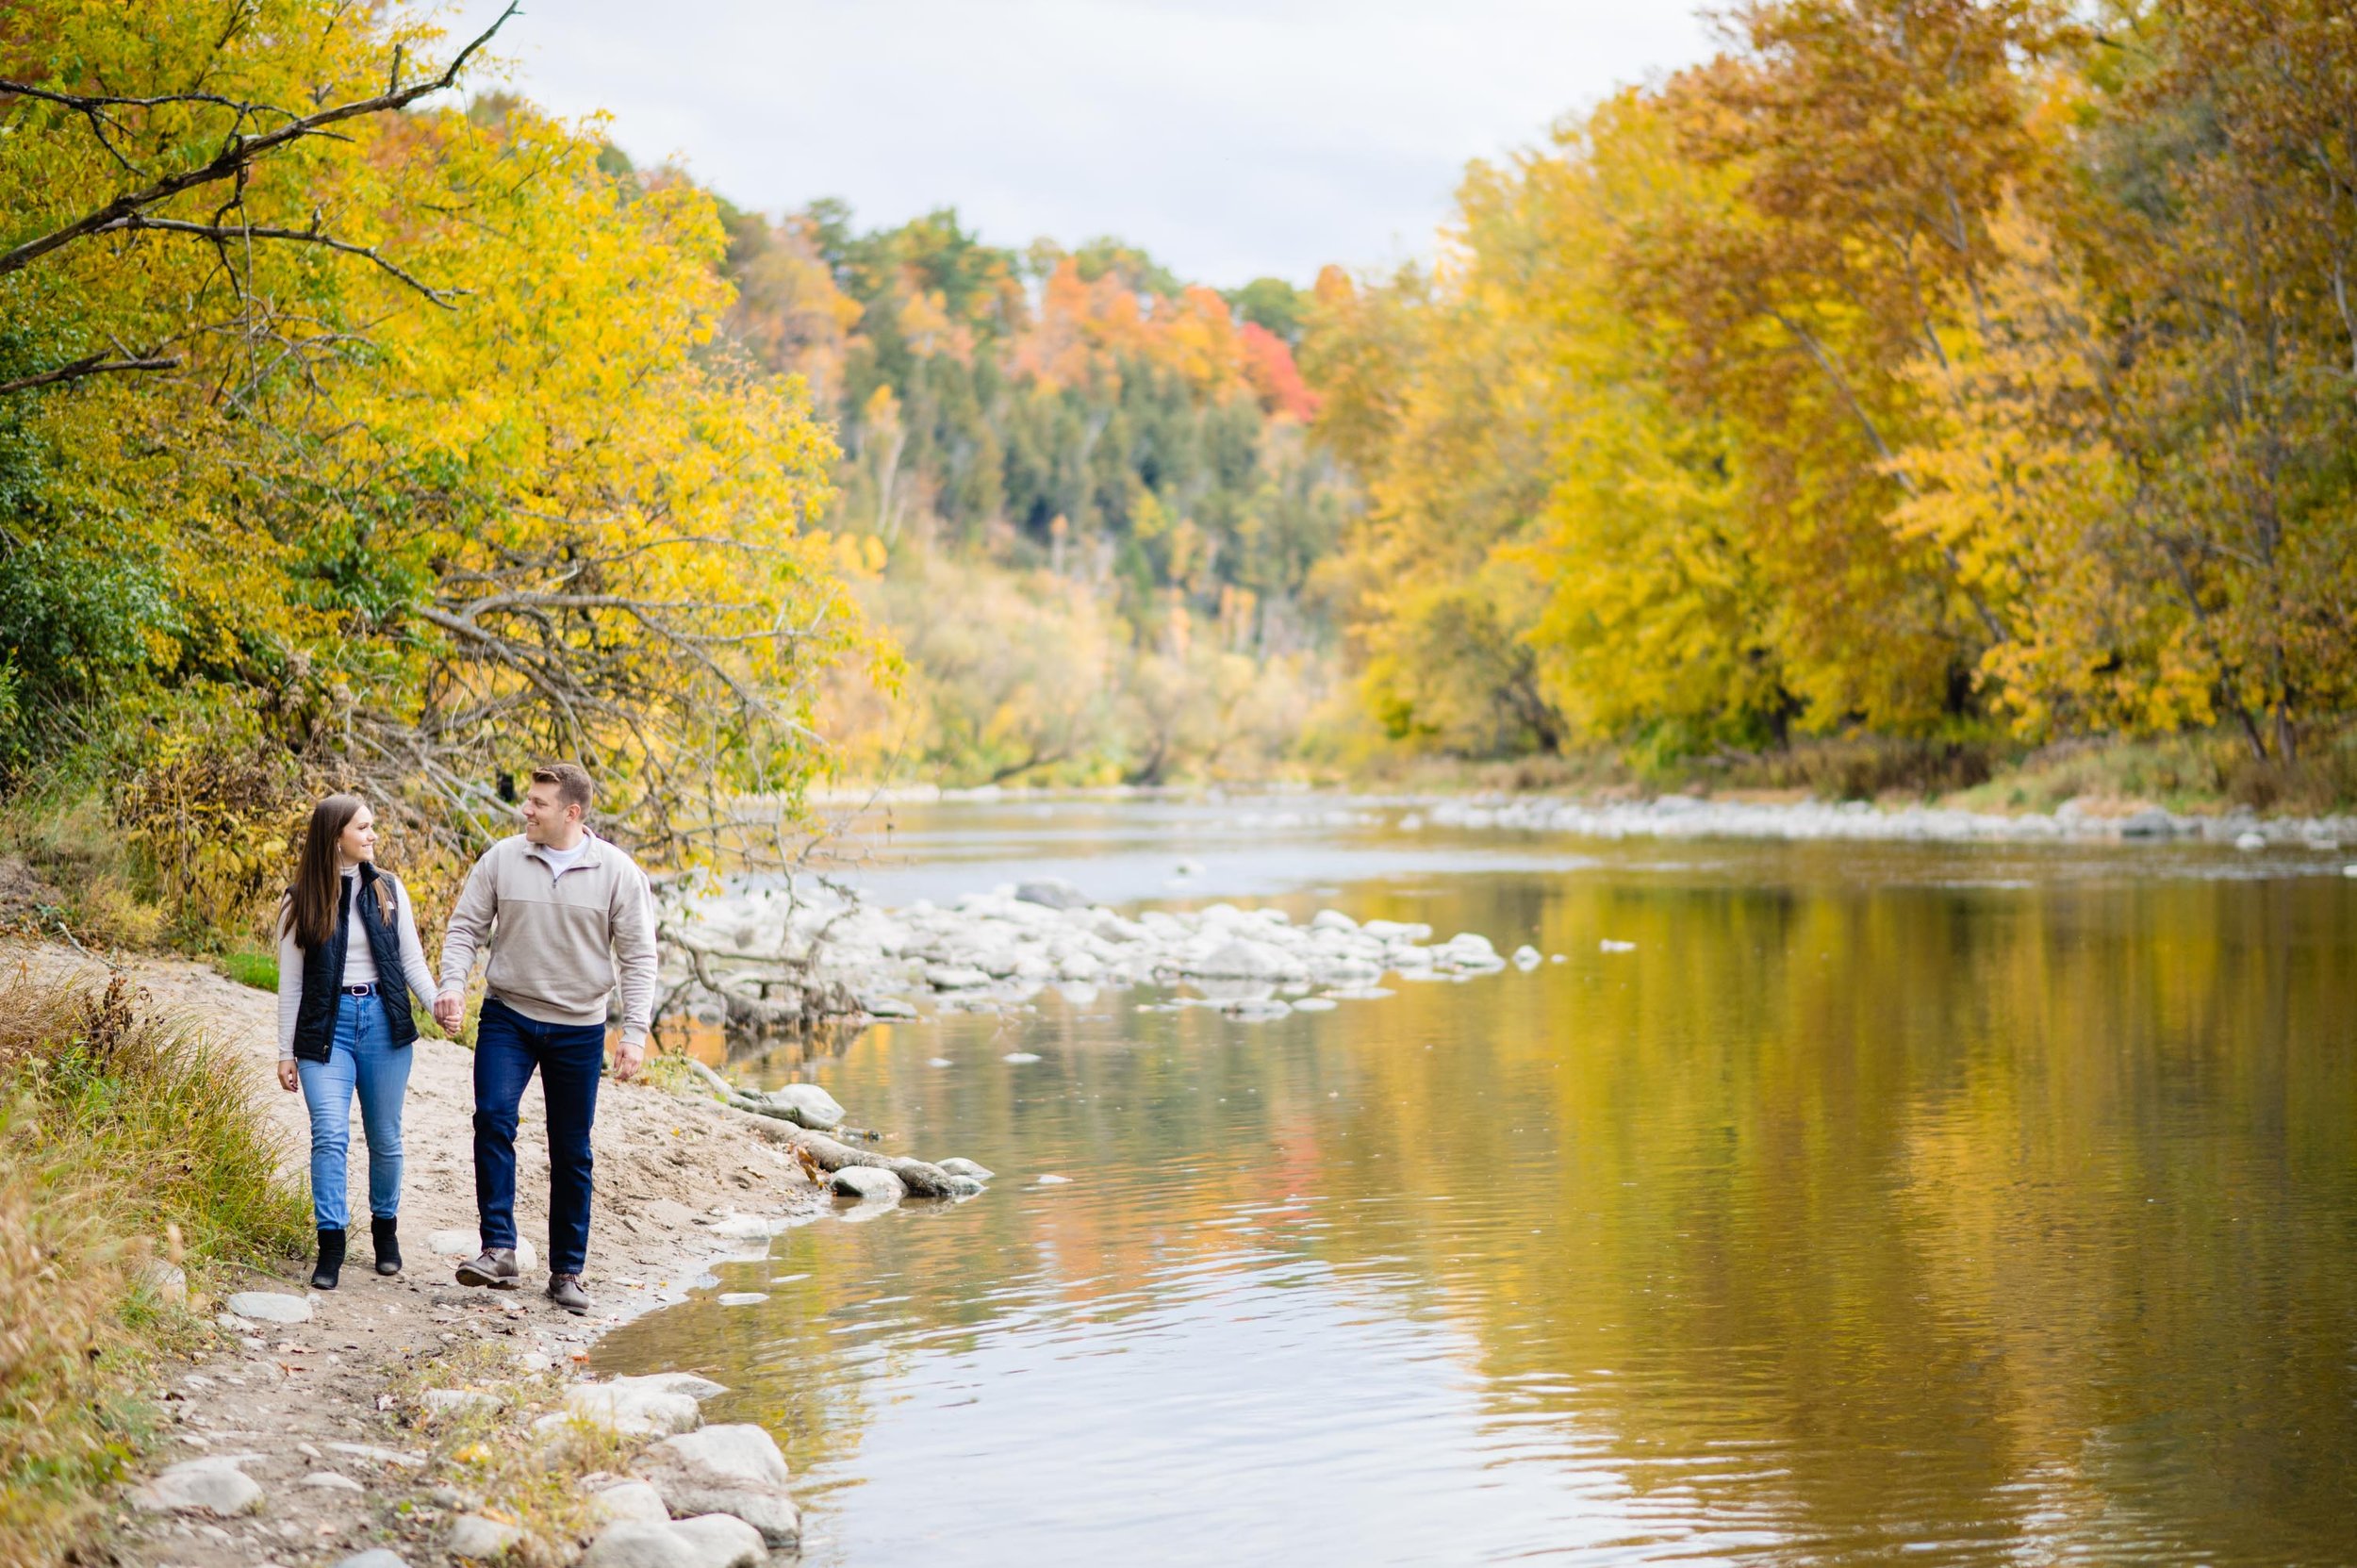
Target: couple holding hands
568	919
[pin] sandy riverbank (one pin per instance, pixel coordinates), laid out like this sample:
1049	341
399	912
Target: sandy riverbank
679	1183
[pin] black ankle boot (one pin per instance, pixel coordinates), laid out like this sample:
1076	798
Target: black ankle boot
387	1235
331	1263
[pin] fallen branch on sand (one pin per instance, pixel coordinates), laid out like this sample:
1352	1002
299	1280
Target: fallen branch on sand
922	1178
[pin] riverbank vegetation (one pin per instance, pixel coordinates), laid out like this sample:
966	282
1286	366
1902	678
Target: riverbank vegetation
1908	397
129	1149
353	433
1962	374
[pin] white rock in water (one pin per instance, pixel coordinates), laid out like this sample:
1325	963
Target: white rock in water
746	1228
2252	841
1526	957
954	977
1256	1010
1314	1004
1609	946
741	1298
1055	1181
473	1536
630	1500
940	1061
869	1182
623	1409
671	1382
1020	1056
213	1486
737	1454
957	1165
269	1306
1051	893
2350	870
887	1007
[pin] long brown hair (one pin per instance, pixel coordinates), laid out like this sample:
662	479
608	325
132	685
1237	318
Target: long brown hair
318	890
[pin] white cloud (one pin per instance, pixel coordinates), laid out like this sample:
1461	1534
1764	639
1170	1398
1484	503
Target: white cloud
1228	138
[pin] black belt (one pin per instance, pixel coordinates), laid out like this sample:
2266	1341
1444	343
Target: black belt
367	990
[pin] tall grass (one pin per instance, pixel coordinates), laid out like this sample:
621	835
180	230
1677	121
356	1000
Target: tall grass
125	1141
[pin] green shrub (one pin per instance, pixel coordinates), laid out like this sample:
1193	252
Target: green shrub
251	966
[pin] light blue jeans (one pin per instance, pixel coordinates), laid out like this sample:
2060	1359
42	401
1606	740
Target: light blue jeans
363	1059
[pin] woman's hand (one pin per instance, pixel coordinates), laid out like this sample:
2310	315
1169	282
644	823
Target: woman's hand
287	1076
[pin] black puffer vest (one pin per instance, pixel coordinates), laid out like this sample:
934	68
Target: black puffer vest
323	970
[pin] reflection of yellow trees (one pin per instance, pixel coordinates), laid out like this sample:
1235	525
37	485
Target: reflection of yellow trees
1876	1213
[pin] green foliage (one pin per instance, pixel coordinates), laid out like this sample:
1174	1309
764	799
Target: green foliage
251	966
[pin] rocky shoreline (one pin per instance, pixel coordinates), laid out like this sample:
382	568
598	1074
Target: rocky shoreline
766	956
410	1420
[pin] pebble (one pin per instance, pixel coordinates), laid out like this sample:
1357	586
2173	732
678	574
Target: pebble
741	1298
1609	946
382	1456
1055	1181
269	1306
212	1486
473	1536
327	1480
1020	1056
375	1556
958	1166
459	1401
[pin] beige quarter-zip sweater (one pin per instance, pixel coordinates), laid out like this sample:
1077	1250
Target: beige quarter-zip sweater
559	938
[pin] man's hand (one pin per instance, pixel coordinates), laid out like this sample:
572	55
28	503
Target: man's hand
627	1056
448	1009
287	1077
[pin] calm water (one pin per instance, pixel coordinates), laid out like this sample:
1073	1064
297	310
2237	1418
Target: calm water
1953	1206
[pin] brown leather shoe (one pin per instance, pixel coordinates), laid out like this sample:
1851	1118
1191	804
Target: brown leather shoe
564	1290
495	1268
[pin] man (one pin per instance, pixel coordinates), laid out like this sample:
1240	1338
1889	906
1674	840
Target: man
563	911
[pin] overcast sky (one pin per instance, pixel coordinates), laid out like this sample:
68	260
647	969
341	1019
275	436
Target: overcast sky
1229	138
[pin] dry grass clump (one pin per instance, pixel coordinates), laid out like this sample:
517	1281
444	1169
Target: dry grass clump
123	1135
496	1461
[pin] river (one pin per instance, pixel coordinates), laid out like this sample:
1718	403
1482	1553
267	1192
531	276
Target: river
1960	1204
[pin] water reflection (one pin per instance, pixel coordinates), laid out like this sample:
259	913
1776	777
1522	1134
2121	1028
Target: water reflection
1876	1201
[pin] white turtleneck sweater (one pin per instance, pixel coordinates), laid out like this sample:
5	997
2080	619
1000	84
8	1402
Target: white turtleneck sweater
359	966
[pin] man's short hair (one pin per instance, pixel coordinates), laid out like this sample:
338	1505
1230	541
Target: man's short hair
572	781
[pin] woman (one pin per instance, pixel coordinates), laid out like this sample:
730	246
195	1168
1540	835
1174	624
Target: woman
343	1018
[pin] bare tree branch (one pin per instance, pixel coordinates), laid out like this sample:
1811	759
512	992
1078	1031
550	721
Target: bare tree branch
90	364
223	233
238	154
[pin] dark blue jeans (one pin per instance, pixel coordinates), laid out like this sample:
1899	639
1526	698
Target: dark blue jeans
507	1047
